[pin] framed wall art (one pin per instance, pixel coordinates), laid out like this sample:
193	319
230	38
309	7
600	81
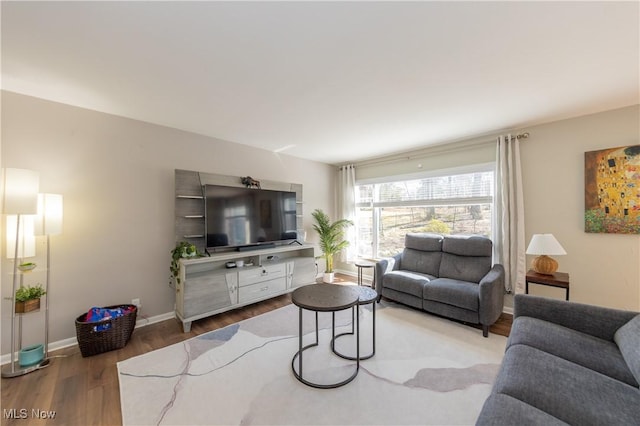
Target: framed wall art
612	190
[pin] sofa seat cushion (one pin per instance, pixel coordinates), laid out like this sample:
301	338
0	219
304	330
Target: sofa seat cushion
583	349
458	293
565	390
500	409
406	282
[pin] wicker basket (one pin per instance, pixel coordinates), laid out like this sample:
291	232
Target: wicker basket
93	342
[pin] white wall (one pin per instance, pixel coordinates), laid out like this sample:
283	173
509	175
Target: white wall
604	268
116	176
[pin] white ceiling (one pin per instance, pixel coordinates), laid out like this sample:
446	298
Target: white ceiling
328	81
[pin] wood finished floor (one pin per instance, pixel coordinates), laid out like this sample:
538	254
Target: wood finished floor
85	391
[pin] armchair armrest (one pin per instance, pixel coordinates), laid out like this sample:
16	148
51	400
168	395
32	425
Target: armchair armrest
597	321
382	267
491	295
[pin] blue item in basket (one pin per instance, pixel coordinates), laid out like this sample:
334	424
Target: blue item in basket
100	314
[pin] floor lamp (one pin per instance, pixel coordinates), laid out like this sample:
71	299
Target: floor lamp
20	198
48	222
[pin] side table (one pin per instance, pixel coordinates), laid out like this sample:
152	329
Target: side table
557	279
367	295
324	298
363	264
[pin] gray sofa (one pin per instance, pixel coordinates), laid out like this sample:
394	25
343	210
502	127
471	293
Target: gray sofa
452	276
567	363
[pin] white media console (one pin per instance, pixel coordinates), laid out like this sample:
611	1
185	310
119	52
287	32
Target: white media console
207	287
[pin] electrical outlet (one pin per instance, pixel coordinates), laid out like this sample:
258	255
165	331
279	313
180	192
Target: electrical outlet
136	302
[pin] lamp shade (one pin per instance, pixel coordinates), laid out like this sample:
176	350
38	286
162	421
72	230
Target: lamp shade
545	244
48	221
20	191
26	240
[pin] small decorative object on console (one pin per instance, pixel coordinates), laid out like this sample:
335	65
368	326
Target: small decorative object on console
250	182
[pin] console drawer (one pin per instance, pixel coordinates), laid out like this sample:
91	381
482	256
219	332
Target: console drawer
262	289
252	276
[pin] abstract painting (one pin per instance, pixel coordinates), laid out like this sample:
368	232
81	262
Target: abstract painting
612	190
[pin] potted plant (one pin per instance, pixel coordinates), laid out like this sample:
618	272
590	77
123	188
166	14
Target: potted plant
331	239
183	250
28	298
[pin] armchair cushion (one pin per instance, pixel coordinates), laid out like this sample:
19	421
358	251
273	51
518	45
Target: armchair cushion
628	340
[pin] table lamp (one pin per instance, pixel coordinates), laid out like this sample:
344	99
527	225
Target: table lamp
544	245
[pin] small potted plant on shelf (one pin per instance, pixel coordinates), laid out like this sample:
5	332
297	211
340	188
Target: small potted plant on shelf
331	239
183	250
28	298
27	267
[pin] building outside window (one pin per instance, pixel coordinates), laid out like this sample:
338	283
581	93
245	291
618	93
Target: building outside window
443	202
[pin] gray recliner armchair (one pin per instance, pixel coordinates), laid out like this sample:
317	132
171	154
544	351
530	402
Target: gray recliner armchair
451	276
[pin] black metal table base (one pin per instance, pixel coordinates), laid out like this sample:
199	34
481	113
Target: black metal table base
350	333
298	355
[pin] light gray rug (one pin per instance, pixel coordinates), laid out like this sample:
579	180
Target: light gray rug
426	370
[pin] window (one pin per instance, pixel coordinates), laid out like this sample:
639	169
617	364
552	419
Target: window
444	203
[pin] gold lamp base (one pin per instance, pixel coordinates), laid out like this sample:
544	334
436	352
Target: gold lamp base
544	265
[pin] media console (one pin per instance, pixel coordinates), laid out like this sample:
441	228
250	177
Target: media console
207	287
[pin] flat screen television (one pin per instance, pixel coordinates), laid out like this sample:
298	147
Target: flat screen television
238	217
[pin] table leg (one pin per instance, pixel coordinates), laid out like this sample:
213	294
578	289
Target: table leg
300	341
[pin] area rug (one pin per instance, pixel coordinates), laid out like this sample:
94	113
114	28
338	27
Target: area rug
426	370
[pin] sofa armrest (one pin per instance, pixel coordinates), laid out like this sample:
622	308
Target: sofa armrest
491	295
597	321
382	267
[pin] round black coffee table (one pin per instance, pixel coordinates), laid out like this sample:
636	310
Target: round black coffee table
367	295
324	298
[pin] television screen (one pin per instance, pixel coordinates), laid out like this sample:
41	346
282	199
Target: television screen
245	216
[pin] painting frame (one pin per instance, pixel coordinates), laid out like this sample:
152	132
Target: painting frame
612	190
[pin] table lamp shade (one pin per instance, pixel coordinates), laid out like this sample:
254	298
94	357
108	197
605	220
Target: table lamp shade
48	221
26	239
20	191
545	245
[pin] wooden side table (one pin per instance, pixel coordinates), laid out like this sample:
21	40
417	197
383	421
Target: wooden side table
558	279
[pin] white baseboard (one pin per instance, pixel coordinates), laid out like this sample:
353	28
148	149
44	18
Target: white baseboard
71	341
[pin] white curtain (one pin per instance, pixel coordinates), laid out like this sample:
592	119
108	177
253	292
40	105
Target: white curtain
509	244
347	207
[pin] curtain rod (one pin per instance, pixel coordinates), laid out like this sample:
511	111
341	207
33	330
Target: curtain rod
524	135
411	155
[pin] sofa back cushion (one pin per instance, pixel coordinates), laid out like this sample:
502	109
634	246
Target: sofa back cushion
628	340
465	258
422	253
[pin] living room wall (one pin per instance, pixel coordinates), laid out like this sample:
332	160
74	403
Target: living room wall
604	268
116	176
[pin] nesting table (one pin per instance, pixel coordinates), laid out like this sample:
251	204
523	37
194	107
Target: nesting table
324	298
367	295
